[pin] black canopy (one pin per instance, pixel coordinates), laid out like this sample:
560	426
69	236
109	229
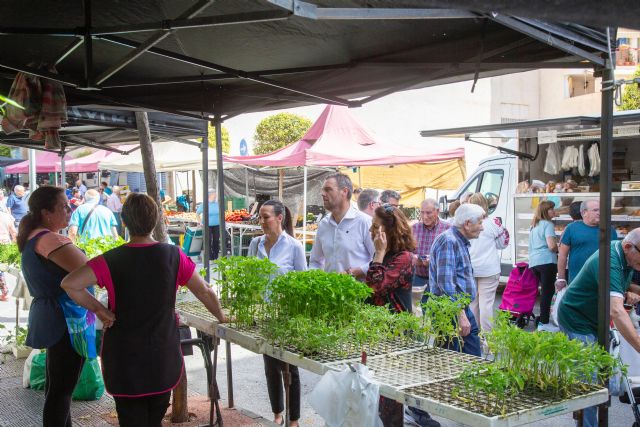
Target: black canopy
230	57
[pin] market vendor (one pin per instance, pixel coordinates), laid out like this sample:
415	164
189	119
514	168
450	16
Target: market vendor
214	223
343	241
279	245
141	357
578	309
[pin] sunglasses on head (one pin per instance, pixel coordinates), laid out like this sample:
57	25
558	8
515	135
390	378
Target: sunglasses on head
388	208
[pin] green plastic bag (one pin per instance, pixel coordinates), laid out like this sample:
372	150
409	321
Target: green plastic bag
90	384
38	375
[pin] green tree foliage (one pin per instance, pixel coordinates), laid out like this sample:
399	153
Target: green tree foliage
5	151
631	94
278	131
226	145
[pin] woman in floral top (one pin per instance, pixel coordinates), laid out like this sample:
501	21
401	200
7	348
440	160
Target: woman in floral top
390	273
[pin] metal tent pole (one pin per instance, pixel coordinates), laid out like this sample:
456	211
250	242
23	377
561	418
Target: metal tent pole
606	151
304	208
32	170
246	186
205	204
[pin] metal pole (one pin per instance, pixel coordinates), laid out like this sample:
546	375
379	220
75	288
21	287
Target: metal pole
205	204
246	186
32	170
606	150
304	208
217	122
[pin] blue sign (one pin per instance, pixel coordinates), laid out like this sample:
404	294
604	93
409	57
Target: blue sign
244	149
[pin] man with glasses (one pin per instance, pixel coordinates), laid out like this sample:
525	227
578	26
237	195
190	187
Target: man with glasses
578	309
579	241
368	201
343	242
390	197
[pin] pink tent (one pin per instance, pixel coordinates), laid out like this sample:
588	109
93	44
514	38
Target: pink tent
91	163
45	163
337	139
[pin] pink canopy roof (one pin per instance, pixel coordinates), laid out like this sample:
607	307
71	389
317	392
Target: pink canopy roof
47	162
337	139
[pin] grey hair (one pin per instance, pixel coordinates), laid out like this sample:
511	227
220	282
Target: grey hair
367	196
431	202
343	181
91	195
583	205
389	194
18	188
633	237
468	212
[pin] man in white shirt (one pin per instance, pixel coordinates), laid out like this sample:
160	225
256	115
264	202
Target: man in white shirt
115	205
343	241
368	201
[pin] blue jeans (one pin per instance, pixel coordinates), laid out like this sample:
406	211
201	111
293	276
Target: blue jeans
418	281
590	415
471	343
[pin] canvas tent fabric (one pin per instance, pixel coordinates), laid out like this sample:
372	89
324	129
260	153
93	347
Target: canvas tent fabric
168	156
337	139
45	163
271	54
411	180
91	163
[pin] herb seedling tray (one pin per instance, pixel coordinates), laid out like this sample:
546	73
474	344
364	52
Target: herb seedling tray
526	407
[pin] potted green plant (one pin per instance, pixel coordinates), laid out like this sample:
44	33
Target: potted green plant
16	340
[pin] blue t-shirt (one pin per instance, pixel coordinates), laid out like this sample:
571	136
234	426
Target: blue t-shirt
99	223
583	240
214	213
539	253
18	206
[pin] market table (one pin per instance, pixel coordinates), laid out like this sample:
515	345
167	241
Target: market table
410	373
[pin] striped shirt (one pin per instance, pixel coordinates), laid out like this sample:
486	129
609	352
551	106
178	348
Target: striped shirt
450	270
425	237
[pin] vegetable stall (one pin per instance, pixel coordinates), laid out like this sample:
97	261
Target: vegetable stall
320	321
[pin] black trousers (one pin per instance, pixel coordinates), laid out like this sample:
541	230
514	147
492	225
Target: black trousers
62	372
214	242
546	274
274	371
145	411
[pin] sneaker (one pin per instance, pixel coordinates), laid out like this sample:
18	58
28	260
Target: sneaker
421	419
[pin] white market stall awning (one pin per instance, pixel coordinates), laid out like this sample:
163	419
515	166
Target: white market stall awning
169	156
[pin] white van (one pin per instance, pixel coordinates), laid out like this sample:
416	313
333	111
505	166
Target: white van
499	175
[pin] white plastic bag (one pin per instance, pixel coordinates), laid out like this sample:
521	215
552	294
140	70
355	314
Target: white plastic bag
26	371
347	398
552	163
553	314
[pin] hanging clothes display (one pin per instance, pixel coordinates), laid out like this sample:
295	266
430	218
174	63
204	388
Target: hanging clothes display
569	158
582	170
594	160
45	109
552	163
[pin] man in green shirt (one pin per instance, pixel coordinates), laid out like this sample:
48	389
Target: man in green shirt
578	309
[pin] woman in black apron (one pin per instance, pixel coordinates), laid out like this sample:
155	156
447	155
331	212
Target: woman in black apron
141	357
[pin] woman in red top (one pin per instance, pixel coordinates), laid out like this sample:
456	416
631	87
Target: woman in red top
391	270
141	357
390	274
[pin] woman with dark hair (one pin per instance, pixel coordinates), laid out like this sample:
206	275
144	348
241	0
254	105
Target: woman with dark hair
543	256
47	257
141	357
280	247
390	275
390	272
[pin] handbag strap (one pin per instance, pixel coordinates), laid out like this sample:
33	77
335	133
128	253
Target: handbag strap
84	223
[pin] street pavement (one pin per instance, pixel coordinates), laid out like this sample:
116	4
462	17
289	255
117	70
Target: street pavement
250	391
